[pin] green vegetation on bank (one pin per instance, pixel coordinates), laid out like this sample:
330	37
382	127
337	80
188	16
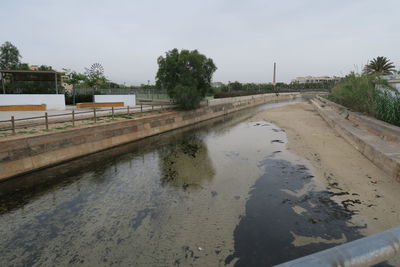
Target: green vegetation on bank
370	94
186	75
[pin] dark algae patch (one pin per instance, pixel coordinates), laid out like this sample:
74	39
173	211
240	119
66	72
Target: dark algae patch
264	236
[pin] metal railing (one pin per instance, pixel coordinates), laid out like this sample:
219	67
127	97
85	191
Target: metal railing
74	116
366	251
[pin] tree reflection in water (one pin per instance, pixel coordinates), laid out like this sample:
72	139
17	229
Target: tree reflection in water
186	164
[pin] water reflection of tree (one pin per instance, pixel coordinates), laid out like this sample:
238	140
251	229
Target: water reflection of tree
186	164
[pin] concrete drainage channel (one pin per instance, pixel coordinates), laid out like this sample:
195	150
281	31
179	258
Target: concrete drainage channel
376	140
366	251
362	252
380	143
19	155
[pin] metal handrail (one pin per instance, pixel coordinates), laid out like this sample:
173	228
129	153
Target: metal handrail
105	112
366	251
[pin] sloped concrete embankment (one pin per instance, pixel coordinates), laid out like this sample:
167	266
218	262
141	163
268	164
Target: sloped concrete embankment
23	154
376	140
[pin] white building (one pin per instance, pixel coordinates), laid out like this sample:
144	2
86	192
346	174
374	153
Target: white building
314	79
393	80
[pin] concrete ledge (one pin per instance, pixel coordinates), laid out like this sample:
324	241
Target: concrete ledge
379	145
100	105
21	154
23	107
379	128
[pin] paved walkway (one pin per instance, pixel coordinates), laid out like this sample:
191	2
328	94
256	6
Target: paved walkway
56	116
6	115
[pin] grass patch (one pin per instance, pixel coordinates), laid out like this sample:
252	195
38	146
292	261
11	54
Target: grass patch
62	127
27	132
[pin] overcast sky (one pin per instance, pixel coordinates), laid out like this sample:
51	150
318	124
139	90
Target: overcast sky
244	38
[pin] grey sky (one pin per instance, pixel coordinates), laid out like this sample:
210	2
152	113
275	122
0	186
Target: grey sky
244	38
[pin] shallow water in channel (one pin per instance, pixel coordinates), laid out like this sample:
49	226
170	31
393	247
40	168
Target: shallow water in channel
223	192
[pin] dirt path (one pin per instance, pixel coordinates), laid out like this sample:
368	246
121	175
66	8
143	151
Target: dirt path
340	166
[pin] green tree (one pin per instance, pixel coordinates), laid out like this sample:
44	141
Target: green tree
186	75
45	68
74	78
379	66
235	86
23	66
95	78
9	56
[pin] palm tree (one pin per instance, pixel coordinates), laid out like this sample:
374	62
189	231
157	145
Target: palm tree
379	65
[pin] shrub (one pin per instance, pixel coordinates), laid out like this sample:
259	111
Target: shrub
78	98
368	94
237	93
356	92
387	107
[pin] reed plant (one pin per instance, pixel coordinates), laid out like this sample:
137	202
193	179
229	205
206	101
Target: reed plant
387	107
368	94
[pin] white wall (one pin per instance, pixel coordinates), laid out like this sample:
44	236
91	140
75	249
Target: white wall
53	101
129	100
218	101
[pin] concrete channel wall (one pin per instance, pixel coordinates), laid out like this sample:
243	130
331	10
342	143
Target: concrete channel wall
376	140
21	154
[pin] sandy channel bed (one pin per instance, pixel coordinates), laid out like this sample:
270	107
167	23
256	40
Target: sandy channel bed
340	166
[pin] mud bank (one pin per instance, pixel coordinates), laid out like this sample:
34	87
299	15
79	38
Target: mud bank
373	194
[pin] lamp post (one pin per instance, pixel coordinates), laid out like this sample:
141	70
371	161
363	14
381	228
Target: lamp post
2	82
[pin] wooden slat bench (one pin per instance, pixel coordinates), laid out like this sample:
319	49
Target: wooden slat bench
23	107
100	104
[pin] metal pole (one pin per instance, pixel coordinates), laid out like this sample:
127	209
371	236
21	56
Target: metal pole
2	82
13	124
46	117
366	251
73	95
73	118
55	74
127	109
141	107
94	112
112	112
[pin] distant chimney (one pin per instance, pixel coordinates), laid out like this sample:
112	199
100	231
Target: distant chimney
274	77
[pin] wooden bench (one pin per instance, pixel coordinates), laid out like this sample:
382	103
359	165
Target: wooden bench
23	107
100	104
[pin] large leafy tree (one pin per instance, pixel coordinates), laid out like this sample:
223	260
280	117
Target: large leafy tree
74	78
186	75
9	56
379	66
